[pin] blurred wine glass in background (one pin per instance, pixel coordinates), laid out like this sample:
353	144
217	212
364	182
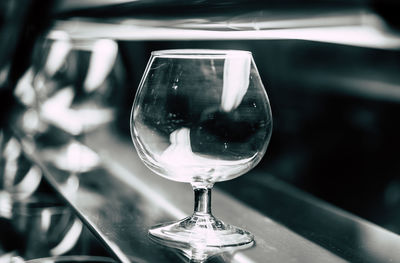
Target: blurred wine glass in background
69	87
72	81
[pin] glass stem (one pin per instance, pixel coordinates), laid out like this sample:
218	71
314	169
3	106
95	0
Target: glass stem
202	200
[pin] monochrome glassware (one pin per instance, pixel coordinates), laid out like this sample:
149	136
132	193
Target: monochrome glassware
201	117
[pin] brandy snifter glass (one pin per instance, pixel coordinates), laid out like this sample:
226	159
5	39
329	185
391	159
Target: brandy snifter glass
201	117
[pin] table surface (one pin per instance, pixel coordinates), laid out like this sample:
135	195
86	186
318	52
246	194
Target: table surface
118	198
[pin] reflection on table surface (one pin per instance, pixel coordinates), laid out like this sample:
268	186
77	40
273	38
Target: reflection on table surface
119	199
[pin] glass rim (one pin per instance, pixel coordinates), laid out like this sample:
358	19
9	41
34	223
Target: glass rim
191	53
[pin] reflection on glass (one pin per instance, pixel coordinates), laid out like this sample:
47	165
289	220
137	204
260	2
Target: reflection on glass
200	117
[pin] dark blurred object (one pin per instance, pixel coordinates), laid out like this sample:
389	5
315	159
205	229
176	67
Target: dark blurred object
389	11
14	239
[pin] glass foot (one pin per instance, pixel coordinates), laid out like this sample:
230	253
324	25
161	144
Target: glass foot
201	236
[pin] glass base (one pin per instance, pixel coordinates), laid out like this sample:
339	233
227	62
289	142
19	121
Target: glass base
201	236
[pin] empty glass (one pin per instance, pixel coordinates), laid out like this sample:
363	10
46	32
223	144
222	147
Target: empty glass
201	117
